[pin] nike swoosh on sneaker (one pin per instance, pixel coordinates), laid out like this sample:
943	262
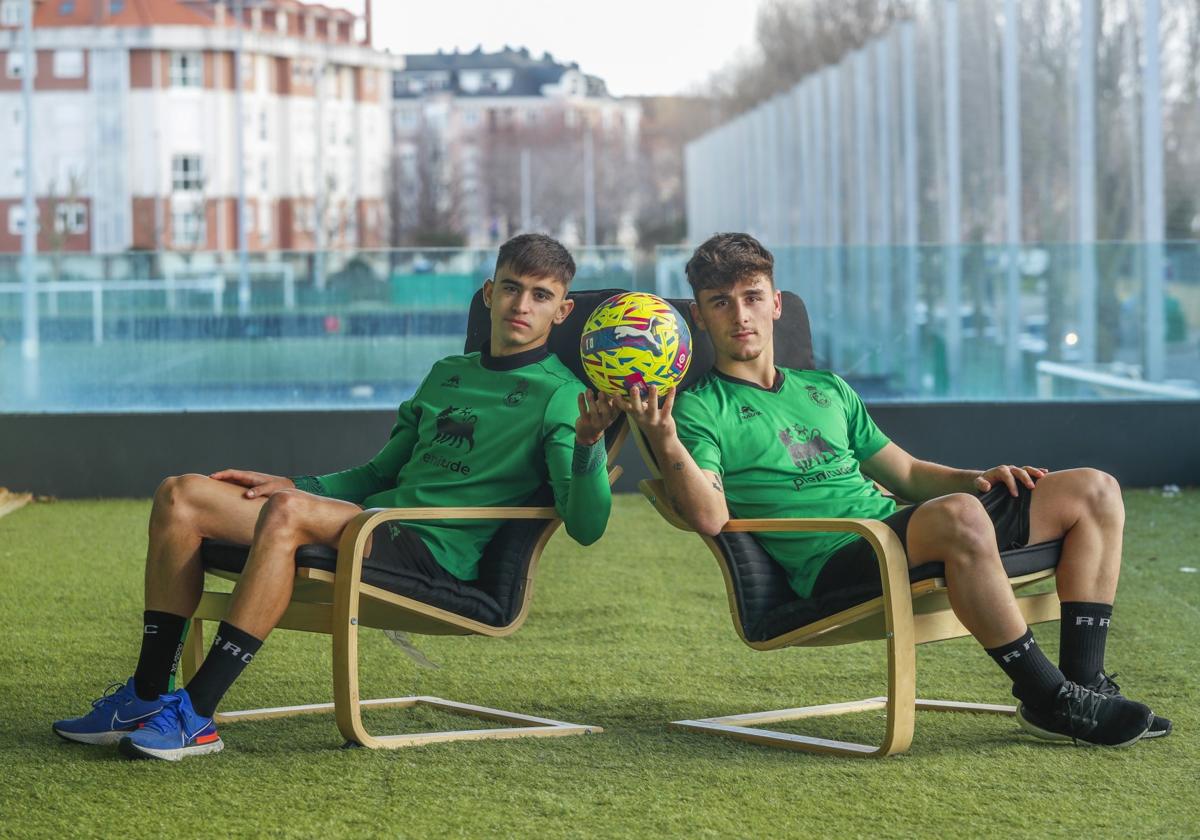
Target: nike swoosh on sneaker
117	719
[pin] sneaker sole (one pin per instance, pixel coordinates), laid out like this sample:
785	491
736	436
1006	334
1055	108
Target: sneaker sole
132	750
1059	738
1157	733
99	738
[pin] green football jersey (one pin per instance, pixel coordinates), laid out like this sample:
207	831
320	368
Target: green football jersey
790	450
482	432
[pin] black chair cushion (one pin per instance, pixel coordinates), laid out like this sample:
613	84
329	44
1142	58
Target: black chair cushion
467	601
769	608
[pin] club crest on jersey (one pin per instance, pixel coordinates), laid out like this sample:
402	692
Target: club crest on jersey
517	395
807	447
456	427
818	396
748	412
452	382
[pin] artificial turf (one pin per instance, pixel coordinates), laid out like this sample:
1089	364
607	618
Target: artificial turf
628	634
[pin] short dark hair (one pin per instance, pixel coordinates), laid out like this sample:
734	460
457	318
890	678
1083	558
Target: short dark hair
536	255
726	258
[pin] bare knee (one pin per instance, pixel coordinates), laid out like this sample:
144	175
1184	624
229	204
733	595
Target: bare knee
962	526
172	498
283	514
1101	496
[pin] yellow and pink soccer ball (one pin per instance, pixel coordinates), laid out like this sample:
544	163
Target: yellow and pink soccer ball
634	340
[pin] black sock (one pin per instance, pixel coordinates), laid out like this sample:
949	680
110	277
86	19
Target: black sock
1083	633
1035	679
231	651
162	645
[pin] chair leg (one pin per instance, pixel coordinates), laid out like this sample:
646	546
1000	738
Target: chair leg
348	706
900	703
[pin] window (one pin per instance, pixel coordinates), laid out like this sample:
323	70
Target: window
188	229
68	64
115	7
262	125
16	64
70	217
16	219
264	175
187	173
187	69
66	7
264	222
10	12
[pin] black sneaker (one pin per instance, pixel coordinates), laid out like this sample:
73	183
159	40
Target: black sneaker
1087	717
1106	685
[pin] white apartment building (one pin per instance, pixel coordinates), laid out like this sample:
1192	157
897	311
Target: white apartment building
465	102
135	121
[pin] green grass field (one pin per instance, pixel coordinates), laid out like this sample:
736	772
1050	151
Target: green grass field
628	634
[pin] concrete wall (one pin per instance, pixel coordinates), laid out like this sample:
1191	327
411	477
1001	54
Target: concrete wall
126	455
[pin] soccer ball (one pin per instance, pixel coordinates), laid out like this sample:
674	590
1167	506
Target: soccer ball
635	339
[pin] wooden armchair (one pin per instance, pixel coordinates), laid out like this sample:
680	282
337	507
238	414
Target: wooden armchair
905	607
334	595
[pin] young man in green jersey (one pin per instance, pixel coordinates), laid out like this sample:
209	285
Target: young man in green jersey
484	429
759	441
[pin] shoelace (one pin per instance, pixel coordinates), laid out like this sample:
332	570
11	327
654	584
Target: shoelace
109	696
169	719
1080	707
1107	685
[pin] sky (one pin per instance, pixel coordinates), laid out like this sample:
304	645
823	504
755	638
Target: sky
639	47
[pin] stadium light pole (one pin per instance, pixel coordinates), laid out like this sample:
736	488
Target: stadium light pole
30	345
1012	193
589	185
240	163
1152	188
1086	181
526	192
953	220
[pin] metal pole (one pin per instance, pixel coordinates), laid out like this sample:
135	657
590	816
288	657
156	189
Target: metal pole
911	208
240	165
861	332
30	342
319	198
1152	181
953	230
526	192
816	180
589	186
883	233
834	194
1086	181
1012	195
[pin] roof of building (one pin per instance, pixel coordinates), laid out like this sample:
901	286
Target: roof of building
531	74
157	12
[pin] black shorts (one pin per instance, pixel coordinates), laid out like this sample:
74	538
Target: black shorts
401	562
855	563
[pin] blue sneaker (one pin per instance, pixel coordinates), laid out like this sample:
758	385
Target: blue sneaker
113	716
176	732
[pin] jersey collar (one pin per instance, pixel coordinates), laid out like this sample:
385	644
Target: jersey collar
774	389
516	360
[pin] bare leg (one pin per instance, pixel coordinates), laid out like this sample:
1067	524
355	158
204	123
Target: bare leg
289	520
1085	508
957	531
188	508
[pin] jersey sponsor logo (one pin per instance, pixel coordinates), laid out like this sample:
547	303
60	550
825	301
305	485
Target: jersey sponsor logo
748	412
456	427
824	475
517	395
452	382
446	464
807	447
818	396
